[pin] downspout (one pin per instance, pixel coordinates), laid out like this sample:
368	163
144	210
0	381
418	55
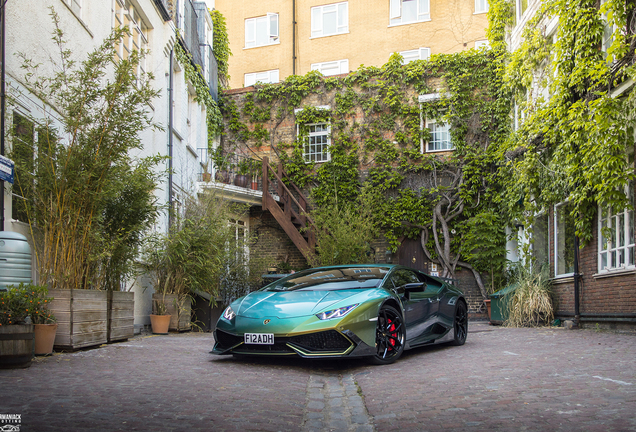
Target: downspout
577	276
2	106
170	84
294	37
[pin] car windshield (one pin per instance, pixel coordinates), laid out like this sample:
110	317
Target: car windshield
331	279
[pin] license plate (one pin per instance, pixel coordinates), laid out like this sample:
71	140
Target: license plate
259	338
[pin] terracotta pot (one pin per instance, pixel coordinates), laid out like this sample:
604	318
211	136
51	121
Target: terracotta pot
160	323
254	185
241	180
44	338
206	177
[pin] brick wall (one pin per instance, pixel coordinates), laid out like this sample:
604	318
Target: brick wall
606	300
272	243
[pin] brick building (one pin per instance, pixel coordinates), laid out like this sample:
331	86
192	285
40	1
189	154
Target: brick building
606	265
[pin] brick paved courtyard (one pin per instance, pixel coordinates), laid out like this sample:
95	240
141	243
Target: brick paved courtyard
502	379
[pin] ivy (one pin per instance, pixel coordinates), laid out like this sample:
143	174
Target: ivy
578	144
193	74
376	138
221	47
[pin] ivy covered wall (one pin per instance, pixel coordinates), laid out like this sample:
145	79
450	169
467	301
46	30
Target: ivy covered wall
448	200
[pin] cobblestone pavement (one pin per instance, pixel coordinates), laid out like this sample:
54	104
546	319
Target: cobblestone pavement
502	379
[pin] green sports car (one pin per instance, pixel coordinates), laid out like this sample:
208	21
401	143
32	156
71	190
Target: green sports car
375	311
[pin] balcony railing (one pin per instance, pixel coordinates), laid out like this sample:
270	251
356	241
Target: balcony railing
235	170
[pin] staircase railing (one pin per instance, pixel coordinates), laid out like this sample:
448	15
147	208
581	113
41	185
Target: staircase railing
290	210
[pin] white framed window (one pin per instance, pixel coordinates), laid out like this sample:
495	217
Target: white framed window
564	239
330	19
125	15
332	68
616	237
75	6
266	77
416	54
540	240
481	6
316	147
440	136
409	11
241	235
482	43
261	31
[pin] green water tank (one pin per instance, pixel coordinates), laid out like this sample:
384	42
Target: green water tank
15	259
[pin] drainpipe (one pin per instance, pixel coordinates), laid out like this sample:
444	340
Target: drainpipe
170	85
294	37
2	107
577	315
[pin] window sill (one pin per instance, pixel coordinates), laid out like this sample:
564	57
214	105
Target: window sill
440	151
192	150
409	23
561	279
615	272
262	46
480	12
329	35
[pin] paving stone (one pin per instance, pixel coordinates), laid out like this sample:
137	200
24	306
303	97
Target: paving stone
502	379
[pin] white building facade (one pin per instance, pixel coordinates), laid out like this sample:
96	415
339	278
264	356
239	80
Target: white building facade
156	26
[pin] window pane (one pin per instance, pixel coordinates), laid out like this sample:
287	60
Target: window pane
541	243
565	240
262	37
342	17
329	23
316	21
273	25
250	35
409	11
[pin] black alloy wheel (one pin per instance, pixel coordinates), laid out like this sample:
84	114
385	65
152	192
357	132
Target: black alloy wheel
389	336
461	324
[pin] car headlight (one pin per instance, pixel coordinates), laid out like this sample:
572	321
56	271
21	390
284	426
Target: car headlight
228	314
336	313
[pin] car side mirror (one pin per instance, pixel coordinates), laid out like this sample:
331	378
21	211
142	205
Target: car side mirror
412	287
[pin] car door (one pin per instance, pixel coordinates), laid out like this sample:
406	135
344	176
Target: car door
416	303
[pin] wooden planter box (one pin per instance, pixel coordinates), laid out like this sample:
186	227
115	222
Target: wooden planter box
82	317
180	315
121	315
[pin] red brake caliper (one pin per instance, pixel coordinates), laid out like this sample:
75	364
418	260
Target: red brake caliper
392	328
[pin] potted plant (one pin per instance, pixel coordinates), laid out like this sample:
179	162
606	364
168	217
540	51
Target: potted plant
206	176
241	179
43	320
221	165
16	329
255	169
160	319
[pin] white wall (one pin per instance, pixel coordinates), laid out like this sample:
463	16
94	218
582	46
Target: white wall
29	29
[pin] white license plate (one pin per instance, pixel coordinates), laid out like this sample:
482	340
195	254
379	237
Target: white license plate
259	338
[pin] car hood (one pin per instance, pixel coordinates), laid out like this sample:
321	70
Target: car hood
291	304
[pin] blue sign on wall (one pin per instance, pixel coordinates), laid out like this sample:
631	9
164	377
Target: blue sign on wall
7	169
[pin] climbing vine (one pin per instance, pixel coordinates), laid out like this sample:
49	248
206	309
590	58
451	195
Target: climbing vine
221	47
575	138
376	142
192	74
